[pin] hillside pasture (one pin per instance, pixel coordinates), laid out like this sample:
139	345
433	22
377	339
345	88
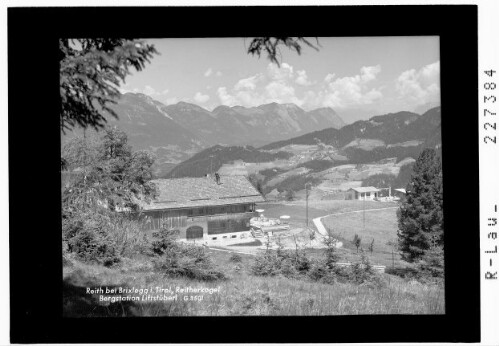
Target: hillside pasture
247	168
365	144
281	177
380	225
361	171
330	186
297	149
301	154
340	206
412	143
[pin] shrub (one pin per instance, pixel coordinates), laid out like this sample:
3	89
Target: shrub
371	246
181	260
321	272
194	268
361	273
288	268
235	258
268	264
281	262
127	235
296	264
431	266
90	246
356	241
330	251
102	237
301	262
403	272
88	240
164	240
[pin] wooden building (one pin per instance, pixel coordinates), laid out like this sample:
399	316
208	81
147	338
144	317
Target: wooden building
202	208
362	193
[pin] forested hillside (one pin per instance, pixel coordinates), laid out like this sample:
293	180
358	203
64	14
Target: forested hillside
210	160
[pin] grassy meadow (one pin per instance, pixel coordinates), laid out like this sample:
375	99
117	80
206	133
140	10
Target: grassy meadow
245	294
380	225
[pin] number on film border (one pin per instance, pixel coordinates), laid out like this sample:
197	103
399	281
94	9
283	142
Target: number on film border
488	100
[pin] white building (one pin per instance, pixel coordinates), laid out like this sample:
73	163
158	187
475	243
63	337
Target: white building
362	193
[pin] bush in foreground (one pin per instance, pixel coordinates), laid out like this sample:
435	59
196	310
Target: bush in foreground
359	273
87	238
288	263
235	258
181	260
296	264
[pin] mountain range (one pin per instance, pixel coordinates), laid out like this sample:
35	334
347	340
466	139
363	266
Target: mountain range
399	136
183	136
175	132
389	129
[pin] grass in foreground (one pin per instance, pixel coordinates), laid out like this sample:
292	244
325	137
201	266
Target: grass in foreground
244	294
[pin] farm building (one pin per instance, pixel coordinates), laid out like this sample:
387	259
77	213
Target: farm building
362	193
202	208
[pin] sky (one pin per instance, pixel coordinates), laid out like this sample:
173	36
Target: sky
364	74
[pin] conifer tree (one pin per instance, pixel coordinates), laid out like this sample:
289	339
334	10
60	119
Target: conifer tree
356	241
106	170
420	216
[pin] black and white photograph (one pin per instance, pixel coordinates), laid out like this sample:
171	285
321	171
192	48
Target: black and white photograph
255	174
251	176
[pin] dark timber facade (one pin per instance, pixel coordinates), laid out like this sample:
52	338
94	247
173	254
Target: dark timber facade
202	208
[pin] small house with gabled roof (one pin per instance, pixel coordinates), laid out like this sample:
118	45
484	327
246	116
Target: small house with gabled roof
362	193
202	208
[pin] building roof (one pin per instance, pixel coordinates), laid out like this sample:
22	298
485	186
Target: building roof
200	192
365	189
